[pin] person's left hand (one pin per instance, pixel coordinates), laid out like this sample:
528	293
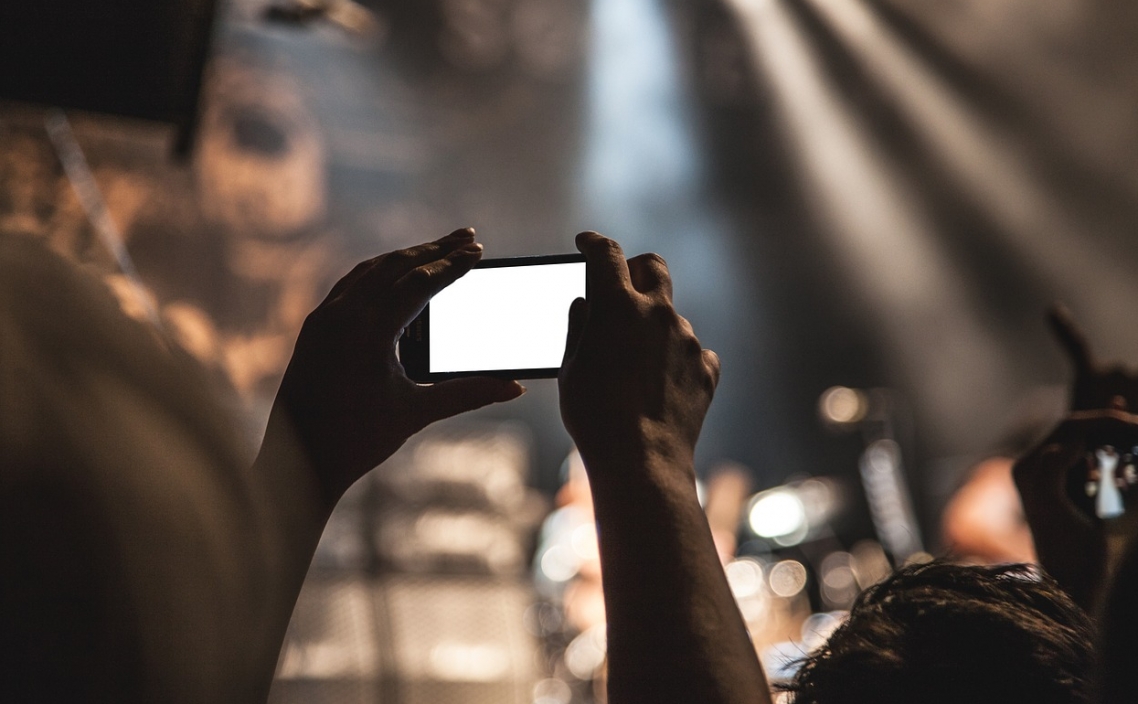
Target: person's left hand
1070	541
345	394
1073	544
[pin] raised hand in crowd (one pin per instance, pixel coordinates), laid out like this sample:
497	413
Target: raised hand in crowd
1076	546
345	395
345	403
635	387
1094	560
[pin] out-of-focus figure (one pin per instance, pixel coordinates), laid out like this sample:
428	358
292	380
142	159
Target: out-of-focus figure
984	521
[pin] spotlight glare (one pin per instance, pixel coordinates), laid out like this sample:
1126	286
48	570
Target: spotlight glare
776	513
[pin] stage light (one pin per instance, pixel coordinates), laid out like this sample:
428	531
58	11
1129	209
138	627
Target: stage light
876	219
982	159
559	564
788	578
839	582
777	513
888	496
463	661
818	628
586	653
870	563
584	542
745	577
552	691
841	405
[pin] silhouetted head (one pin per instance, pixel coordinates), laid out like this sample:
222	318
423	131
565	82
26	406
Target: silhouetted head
949	633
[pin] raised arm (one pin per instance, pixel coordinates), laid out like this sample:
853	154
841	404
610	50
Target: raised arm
144	560
345	404
1074	545
635	387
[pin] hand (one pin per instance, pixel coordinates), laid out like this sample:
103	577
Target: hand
1096	385
635	382
345	394
1072	543
635	387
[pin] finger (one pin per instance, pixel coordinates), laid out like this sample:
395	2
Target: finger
1103	420
685	326
395	265
449	398
605	264
455	240
649	275
1045	468
1047	464
1071	337
578	314
711	363
351	277
415	288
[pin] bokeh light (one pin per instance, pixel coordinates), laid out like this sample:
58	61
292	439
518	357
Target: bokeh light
777	513
788	578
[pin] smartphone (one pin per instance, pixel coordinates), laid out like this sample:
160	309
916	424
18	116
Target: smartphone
1104	482
506	318
1109	479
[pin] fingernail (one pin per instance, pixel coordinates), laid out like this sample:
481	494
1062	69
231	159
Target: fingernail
458	235
467	251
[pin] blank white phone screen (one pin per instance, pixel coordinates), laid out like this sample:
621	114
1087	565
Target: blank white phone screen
511	317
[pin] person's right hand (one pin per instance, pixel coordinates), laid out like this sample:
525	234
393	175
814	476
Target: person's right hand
635	387
635	383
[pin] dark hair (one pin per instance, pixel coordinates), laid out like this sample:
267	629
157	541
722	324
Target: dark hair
941	632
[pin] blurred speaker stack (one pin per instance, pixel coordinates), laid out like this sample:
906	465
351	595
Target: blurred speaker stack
419	589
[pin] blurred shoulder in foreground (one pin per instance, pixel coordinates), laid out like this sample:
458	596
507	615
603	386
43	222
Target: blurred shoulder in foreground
123	499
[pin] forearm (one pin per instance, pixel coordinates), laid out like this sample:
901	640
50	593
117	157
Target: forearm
293	511
1118	621
674	631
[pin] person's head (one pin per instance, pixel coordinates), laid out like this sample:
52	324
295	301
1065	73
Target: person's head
128	58
942	632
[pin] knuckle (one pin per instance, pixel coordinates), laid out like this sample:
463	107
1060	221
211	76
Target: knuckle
692	347
602	242
419	277
685	325
399	256
661	313
710	382
710	363
400	259
359	269
320	320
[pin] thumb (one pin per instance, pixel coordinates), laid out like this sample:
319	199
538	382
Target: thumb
578	314
449	398
1044	469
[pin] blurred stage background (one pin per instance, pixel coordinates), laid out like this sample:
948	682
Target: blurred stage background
870	194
